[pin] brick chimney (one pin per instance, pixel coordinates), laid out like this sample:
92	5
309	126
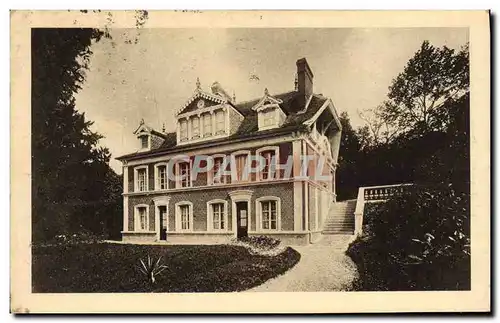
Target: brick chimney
304	81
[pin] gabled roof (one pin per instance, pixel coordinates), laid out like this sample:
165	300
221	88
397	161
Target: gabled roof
266	99
188	106
290	104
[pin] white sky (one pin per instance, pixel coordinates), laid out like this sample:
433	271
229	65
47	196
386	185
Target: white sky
153	78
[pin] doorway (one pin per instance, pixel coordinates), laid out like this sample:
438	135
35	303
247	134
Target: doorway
162	210
242	219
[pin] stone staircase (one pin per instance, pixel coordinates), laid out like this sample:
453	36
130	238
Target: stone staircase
340	218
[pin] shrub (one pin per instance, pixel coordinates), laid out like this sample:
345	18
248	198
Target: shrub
418	241
261	242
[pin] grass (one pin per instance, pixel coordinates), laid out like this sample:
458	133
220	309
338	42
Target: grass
105	268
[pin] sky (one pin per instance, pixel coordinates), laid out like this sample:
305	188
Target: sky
150	73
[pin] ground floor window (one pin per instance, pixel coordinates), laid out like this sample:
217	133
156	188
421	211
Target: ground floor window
218	216
269	209
184	216
141	218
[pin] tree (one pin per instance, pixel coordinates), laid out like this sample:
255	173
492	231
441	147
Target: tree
69	169
432	76
347	172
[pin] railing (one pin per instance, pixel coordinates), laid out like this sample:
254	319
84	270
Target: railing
373	194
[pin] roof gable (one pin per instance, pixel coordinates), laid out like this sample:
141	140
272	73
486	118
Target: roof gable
207	99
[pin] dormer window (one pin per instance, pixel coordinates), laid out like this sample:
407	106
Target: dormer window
207	125
207	116
195	127
183	130
144	141
268	117
220	122
269	112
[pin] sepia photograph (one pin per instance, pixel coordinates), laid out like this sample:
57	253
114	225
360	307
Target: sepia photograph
245	159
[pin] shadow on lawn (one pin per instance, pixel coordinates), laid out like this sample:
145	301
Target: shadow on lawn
107	268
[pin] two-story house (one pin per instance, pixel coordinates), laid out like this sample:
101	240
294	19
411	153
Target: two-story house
283	198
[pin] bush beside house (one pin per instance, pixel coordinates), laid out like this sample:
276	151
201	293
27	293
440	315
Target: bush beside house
418	241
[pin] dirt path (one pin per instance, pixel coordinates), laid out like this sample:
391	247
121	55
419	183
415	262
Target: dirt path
323	267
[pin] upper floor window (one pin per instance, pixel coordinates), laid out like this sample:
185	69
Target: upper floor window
184	174
218	169
183	130
195	127
141	179
268	171
161	177
220	123
207	125
240	164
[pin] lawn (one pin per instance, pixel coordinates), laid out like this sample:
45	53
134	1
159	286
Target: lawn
103	268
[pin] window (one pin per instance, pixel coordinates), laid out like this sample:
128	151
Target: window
220	122
184	216
268	117
240	167
183	130
161	177
184	179
218	216
195	127
218	178
144	141
207	125
141	179
269	169
141	218
269	215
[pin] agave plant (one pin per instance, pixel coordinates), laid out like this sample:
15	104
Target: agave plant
150	268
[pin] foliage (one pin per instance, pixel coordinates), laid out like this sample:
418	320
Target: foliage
418	241
348	170
432	76
73	186
108	268
151	269
261	242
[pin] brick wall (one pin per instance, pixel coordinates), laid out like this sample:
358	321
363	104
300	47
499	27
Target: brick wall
200	198
284	148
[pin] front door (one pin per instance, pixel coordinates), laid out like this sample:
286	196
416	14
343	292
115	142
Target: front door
242	219
163	222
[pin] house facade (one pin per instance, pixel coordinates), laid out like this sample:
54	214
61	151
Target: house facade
235	169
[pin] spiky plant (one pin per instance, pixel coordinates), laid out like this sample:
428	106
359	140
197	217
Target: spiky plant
150	269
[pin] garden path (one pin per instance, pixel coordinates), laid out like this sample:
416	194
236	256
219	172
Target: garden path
323	266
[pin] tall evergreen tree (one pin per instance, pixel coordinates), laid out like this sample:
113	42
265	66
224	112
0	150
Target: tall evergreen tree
70	171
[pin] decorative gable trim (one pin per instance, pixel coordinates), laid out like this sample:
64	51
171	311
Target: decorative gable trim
267	101
328	104
204	95
143	128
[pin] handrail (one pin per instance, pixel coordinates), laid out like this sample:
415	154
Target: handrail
365	195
